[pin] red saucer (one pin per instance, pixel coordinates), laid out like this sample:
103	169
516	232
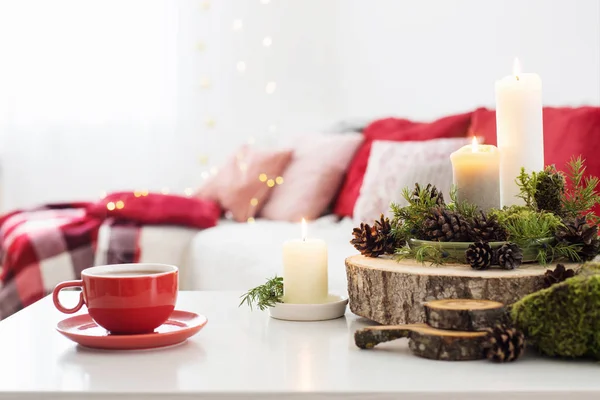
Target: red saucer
84	331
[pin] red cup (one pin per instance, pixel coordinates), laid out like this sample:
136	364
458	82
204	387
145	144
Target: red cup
125	298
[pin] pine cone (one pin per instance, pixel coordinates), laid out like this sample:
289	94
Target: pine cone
559	274
549	190
509	256
373	241
577	231
431	192
504	343
445	226
384	229
486	229
479	255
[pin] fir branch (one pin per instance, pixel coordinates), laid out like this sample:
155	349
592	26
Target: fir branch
581	194
266	295
464	208
525	226
527	184
425	253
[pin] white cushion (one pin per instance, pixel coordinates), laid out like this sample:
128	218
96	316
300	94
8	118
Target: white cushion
393	166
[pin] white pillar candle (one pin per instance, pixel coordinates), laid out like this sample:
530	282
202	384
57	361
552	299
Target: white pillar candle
520	130
305	270
476	173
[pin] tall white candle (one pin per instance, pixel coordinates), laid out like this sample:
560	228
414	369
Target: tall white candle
476	172
305	270
519	128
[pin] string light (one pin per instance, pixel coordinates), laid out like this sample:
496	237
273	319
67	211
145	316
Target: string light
210	122
262	177
203	159
144	192
205	175
137	193
270	183
238	25
164	190
188	192
205	5
241	66
102	194
204	82
267	41
200	46
270	88
254	201
279	180
110	206
250	220
120	204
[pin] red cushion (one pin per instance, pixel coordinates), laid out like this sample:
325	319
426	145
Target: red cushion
157	209
568	132
393	129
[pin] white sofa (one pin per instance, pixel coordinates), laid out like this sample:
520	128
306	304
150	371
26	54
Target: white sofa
238	256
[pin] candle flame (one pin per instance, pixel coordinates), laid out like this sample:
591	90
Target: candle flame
516	68
474	145
304	229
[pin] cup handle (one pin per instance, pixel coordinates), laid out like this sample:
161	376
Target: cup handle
62	286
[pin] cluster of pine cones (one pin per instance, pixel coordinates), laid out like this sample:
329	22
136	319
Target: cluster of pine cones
376	240
480	256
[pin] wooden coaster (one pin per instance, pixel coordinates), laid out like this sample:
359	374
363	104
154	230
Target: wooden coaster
425	341
463	314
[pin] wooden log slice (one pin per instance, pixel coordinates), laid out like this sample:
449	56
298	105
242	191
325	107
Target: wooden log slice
427	342
392	293
464	314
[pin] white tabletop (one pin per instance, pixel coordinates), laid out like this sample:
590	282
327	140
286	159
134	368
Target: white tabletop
247	355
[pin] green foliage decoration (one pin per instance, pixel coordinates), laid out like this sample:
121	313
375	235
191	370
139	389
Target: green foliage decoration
563	320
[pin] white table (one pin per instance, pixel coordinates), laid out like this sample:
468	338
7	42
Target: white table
247	355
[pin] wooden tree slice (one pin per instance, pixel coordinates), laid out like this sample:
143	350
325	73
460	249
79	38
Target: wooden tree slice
392	293
427	342
464	314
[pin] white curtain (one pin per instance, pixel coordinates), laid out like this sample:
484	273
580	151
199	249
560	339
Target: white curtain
103	95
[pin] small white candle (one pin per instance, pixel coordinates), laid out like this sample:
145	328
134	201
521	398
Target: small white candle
476	173
519	130
305	270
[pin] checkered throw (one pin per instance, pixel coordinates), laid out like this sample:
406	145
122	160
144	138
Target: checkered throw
44	246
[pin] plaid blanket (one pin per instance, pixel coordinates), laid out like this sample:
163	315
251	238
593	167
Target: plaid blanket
44	246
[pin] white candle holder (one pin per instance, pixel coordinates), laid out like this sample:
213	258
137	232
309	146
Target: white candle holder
334	307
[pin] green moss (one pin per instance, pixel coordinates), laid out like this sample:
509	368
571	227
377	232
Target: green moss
564	320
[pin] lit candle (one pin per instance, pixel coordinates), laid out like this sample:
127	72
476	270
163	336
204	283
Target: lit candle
305	270
520	130
476	172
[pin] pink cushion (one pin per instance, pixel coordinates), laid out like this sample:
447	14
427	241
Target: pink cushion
238	186
312	178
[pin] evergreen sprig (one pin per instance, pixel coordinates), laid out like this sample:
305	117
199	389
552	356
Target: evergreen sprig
464	208
581	194
266	295
425	253
524	226
527	184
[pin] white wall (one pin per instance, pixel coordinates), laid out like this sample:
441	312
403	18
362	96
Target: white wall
426	58
93	99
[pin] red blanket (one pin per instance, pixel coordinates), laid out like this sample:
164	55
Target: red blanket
43	246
